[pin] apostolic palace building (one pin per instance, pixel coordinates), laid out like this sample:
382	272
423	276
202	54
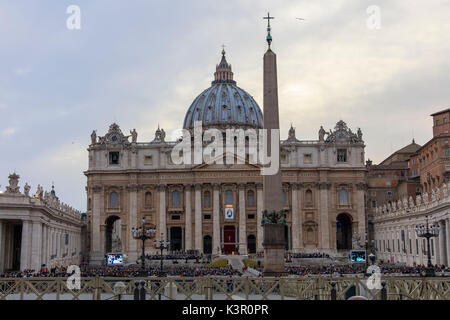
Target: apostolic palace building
217	208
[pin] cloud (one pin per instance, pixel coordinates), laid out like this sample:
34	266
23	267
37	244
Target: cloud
139	72
7	132
21	71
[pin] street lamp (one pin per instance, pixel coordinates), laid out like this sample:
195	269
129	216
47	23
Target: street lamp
428	232
163	245
142	233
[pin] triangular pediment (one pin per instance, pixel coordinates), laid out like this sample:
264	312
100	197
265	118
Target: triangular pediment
220	163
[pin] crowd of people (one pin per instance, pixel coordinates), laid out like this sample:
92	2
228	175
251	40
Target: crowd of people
177	255
127	272
337	270
309	255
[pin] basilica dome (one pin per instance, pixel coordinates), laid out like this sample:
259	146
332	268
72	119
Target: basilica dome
224	104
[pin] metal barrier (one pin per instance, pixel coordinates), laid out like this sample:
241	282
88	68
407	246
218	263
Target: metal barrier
223	288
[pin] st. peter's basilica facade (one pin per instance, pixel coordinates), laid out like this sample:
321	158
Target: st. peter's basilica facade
323	186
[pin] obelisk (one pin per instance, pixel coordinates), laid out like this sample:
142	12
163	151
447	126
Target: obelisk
274	239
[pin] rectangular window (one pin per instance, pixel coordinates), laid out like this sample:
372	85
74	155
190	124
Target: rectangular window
251	216
175	217
432	247
374	204
207	217
341	155
398	245
437	122
148	160
410	246
307	158
447	152
417	246
114	158
284	158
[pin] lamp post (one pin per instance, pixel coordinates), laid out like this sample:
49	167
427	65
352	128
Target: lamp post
142	233
428	232
163	245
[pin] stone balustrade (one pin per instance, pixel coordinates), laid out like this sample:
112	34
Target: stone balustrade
425	201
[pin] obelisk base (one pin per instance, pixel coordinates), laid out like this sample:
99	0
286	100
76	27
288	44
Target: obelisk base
274	249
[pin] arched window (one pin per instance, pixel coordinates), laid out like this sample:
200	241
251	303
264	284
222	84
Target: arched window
229	197
176	199
308	197
207	199
250	198
113	200
343	197
148	200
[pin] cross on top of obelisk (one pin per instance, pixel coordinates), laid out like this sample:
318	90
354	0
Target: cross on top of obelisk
269	37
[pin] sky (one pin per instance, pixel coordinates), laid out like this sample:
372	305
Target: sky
141	63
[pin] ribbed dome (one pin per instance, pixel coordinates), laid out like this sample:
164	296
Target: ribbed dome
224	104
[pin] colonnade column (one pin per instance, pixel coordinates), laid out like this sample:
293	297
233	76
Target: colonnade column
188	217
216	219
441	255
36	246
2	249
132	250
162	212
198	218
295	219
44	244
259	210
242	220
25	246
447	240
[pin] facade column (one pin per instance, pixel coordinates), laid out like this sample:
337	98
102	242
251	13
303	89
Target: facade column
25	245
198	218
259	210
96	254
324	216
36	246
295	219
188	217
216	219
447	240
162	212
242	220
360	207
132	250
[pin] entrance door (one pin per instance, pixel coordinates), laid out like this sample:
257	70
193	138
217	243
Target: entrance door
229	239
175	239
344	232
251	244
207	245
